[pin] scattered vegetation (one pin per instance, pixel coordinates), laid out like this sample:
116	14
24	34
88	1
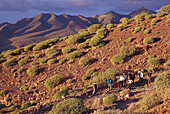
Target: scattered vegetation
110	99
51	61
93	28
165	9
69	106
61	61
3	93
130	39
74	54
154	61
149	40
137	29
23	62
66	50
29	47
167	93
43	60
9	62
147	31
51	52
82	45
128	50
60	94
117	59
88	74
102	32
25	105
95	41
53	81
33	70
109	26
74	39
167	63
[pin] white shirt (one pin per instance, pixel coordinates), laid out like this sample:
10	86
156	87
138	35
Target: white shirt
130	81
141	75
122	78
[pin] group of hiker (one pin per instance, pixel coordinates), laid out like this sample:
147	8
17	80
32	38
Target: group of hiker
128	78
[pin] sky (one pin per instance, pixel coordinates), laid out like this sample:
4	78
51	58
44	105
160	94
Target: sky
14	10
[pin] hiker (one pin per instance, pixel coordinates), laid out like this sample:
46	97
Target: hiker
125	78
133	78
114	81
149	77
94	88
141	76
139	71
130	81
122	79
110	83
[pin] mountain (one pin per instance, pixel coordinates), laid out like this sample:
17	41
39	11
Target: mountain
45	26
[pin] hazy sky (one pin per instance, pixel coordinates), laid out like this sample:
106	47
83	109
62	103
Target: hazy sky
14	10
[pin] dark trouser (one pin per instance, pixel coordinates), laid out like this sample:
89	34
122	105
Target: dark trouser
141	79
94	91
133	83
110	86
121	83
129	86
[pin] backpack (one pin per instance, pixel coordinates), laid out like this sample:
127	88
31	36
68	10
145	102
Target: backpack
109	81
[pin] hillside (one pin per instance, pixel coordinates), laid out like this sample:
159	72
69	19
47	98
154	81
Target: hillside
36	77
46	26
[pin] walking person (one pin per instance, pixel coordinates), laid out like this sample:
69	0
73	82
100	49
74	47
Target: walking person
130	81
133	79
139	71
141	76
110	83
149	77
94	88
125	78
122	79
114	81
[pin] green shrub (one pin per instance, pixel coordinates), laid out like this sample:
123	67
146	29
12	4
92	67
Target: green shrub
25	105
20	70
167	63
53	81
149	40
13	70
168	16
66	50
124	20
64	88
24	87
33	70
128	50
154	61
137	29
38	55
117	59
82	45
167	93
29	47
95	40
130	39
34	102
7	53
83	32
147	31
9	62
69	81
61	61
151	56
162	81
93	28
88	74
102	32
165	9
59	94
168	43
74	39
160	15
148	17
149	101
139	18
167	20
22	62
84	61
51	52
69	106
13	107
43	60
109	26
110	99
51	61
154	20
74	54
2	106
3	93
120	27
18	51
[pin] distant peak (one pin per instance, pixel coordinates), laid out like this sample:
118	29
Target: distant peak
64	15
143	8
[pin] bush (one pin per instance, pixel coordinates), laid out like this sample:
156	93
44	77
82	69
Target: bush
167	20
29	47
51	61
61	61
53	81
74	39
93	28
151	56
124	20
137	29
25	105
52	52
22	62
167	93
82	45
7	53
168	16
162	81
43	60
69	106
95	40
3	93
130	39
74	54
33	70
39	55
109	26
154	20
110	99
60	94
88	74
83	32
84	61
147	31
128	50
66	50
14	107
102	32
139	18
160	15
34	102
167	63
154	61
117	59
168	43
9	62
2	106
18	51
148	16
165	9
149	101
149	40
20	70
